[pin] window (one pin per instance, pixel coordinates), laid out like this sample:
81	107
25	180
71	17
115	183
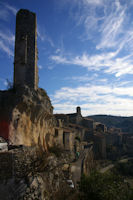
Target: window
56	132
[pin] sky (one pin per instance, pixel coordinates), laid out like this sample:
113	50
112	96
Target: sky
85	52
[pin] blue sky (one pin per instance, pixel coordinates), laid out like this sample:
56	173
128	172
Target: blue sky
85	52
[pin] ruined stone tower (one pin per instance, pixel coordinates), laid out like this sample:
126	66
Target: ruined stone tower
78	110
25	61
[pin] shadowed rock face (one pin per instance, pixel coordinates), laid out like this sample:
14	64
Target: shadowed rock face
29	173
26	117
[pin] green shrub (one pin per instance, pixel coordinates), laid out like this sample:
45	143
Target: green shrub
106	186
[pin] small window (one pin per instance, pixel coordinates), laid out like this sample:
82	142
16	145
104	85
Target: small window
56	132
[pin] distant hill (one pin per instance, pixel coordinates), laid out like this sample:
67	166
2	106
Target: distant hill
125	123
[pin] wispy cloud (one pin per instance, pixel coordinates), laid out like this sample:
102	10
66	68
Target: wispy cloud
7	42
40	34
112	27
105	22
6	37
108	62
59	59
40	66
105	19
106	26
57	50
6	49
79	78
93	2
43	36
84	78
6	10
11	8
87	16
4	82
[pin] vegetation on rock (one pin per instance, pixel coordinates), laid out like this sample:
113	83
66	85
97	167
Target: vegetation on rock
108	186
125	169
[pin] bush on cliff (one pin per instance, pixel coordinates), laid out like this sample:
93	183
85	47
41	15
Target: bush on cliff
125	169
106	186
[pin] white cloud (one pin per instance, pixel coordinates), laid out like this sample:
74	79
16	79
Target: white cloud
7	36
40	34
118	109
104	22
40	66
60	59
111	29
84	78
93	2
50	67
125	83
88	18
95	99
11	8
43	36
7	42
6	49
6	10
4	82
108	62
107	25
58	50
79	78
84	13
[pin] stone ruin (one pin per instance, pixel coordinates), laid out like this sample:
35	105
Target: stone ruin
26	112
25	61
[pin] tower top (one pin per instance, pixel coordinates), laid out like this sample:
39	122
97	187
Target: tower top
24	13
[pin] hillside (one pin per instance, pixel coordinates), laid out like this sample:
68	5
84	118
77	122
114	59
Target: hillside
125	123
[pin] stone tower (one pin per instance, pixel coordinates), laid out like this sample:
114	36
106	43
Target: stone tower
78	110
25	61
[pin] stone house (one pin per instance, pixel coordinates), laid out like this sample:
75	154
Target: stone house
99	127
99	146
72	130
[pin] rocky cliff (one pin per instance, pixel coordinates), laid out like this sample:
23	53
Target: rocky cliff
28	170
27	173
26	117
33	167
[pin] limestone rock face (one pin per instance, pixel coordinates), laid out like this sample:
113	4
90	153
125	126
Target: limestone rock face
26	117
28	173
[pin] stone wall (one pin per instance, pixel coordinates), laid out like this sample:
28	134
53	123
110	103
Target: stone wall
99	146
88	162
29	173
6	165
58	137
68	138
